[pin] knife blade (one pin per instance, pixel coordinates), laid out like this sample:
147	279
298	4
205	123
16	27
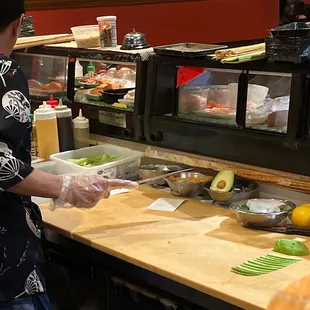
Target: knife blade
288	230
163	176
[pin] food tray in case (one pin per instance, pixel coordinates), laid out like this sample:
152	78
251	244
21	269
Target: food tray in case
124	168
188	49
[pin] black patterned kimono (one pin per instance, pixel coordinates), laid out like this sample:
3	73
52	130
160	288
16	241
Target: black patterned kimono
21	255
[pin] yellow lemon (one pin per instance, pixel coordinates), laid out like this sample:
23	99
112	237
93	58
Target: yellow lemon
301	216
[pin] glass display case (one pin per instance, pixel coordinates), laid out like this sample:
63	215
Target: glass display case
109	86
46	75
231	111
268	101
106	84
209	97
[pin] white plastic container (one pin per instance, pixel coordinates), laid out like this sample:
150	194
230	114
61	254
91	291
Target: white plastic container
108	31
256	94
124	168
86	36
47	167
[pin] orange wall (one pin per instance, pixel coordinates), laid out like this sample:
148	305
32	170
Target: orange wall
196	21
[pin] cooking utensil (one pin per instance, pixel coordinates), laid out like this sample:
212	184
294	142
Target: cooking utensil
149	180
134	41
244	190
271	219
183	187
149	171
288	230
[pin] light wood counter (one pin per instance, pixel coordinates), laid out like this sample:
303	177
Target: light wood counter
197	245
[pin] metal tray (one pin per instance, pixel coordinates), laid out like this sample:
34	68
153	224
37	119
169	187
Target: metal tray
188	49
45	94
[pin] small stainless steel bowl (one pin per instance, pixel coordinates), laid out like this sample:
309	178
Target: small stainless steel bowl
150	171
182	187
250	219
134	41
248	190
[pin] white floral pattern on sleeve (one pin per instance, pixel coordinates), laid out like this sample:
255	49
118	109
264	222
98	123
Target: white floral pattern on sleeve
33	285
17	106
4	69
9	167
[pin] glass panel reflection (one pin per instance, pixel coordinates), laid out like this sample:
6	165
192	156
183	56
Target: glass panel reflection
268	101
208	96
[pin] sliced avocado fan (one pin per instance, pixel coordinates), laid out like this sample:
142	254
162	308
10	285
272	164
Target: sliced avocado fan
263	265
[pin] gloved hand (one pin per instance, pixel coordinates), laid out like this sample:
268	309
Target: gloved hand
87	191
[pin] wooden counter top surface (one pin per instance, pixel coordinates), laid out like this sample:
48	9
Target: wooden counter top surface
197	245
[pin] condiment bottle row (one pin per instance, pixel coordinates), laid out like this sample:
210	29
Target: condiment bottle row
54	130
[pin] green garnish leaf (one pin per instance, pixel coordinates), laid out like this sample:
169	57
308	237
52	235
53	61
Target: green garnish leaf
243	207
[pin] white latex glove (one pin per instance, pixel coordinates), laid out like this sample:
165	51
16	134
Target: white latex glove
87	191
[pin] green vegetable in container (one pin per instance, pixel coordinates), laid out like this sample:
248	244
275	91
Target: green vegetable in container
291	247
94	161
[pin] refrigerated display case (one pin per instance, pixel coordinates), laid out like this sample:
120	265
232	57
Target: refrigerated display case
110	86
254	113
46	75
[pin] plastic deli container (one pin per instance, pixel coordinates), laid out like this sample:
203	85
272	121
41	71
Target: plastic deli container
108	31
47	167
124	168
86	36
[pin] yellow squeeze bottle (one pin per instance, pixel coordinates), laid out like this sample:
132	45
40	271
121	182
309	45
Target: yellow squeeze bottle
47	132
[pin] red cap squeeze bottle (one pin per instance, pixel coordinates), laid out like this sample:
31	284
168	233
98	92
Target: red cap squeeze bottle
52	102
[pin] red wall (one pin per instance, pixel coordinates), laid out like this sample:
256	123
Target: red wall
196	21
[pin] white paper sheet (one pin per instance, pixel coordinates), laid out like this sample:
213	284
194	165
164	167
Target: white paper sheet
166	204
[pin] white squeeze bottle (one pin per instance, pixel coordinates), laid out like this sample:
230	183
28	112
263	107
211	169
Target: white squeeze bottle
78	70
47	132
81	131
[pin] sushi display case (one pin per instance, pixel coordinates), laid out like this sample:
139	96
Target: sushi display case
255	113
108	85
46	75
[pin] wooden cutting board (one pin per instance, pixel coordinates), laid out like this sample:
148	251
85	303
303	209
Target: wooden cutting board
294	297
42	40
197	245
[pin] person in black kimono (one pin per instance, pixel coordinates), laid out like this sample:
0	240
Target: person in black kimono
22	283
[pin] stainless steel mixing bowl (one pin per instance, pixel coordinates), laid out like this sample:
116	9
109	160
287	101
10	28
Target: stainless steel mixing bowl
180	185
150	171
246	190
248	219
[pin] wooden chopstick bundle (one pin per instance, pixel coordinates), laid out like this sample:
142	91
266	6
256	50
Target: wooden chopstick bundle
239	51
27	42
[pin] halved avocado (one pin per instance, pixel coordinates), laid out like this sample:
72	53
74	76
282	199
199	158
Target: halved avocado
223	182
